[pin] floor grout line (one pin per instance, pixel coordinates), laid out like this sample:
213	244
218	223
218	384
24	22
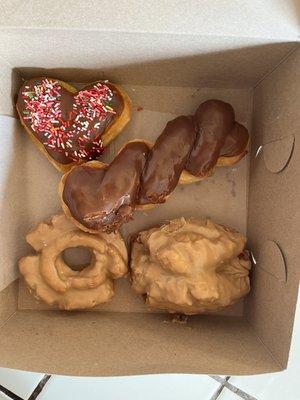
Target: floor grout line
224	383
40	386
9	394
239	392
220	388
217	392
219	378
234	389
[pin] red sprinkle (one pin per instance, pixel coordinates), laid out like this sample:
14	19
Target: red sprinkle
76	137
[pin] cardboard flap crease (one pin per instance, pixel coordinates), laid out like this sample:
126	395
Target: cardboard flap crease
277	153
271	260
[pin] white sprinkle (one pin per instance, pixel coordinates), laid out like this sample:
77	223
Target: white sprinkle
253	258
258	151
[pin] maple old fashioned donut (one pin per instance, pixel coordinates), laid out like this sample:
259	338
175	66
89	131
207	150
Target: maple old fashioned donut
190	266
99	197
50	279
72	126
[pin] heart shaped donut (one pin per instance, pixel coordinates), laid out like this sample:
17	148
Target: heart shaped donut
72	126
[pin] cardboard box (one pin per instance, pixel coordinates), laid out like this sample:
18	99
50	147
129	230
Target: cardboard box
169	56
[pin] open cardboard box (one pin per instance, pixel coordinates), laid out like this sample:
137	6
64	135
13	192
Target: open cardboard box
166	72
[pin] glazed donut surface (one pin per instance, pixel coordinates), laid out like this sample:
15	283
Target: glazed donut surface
50	279
190	266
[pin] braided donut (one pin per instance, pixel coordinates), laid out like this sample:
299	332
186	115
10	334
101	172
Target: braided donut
99	197
50	279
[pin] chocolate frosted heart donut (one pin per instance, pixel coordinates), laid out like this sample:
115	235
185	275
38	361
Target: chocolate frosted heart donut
71	126
99	197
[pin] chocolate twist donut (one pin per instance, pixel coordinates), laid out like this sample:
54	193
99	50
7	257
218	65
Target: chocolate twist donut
101	197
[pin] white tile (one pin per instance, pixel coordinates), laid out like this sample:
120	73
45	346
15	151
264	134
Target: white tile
277	386
20	382
285	386
149	387
254	385
3	397
227	394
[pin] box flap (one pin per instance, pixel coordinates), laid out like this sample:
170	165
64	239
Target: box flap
10	81
274	206
8	301
104	344
243	18
283	148
13	205
141	58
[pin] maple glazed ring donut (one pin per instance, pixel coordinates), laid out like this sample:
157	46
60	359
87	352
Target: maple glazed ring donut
72	126
50	279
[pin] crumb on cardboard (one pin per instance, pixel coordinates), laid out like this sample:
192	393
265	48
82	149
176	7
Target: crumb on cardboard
178	319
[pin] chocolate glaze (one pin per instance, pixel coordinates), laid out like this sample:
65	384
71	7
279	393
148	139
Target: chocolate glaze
140	175
161	174
104	199
213	120
67	101
236	140
81	190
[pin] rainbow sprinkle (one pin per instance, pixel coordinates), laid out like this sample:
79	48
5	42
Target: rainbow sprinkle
75	136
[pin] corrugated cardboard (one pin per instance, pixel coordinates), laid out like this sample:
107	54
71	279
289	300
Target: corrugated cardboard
169	57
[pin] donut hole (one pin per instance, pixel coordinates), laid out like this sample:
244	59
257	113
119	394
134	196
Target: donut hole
78	258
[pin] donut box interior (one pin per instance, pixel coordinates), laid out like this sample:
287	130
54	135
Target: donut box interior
168	66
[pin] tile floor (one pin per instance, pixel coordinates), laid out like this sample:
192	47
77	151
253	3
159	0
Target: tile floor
18	385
